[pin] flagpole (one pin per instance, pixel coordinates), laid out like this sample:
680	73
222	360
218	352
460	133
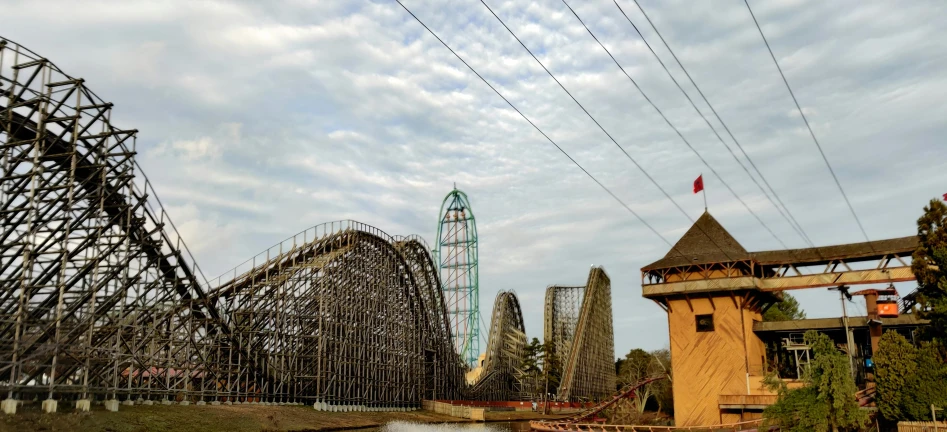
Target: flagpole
704	190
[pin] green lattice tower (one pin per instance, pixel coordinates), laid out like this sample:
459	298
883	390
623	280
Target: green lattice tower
456	256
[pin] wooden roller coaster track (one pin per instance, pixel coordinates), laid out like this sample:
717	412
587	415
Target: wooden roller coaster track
589	419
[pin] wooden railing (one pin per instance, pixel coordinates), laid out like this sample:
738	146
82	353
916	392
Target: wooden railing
921	426
747	400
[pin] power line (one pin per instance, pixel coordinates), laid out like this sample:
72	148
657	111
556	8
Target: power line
668	196
804	119
787	215
712	170
605	188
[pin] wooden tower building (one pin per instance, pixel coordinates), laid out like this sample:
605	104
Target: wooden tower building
715	292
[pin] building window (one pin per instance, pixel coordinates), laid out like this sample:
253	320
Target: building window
705	323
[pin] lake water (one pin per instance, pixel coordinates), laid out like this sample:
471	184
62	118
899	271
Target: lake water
453	427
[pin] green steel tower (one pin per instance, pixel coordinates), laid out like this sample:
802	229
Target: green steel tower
456	256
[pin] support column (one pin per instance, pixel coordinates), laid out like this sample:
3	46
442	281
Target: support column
874	321
8	406
83	405
111	405
49	406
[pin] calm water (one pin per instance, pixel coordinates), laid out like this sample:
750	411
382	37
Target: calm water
453	427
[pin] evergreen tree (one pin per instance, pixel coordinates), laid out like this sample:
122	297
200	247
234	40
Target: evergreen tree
552	367
895	368
533	357
826	402
929	386
930	267
909	379
786	310
532	366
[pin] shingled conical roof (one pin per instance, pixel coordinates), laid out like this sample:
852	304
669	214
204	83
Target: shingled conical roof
705	242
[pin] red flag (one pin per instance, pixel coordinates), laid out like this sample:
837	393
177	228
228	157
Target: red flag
699	184
945	197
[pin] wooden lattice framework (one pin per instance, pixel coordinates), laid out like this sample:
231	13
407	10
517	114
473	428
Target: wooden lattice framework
500	375
100	298
95	278
342	315
578	326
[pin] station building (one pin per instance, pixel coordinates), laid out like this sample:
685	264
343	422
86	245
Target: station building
715	293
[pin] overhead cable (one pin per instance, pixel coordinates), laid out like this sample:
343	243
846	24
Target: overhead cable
809	127
632	159
561	150
779	202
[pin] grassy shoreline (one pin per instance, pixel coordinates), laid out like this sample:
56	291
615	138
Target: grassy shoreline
224	418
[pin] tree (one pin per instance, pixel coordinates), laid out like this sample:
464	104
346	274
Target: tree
532	366
552	367
786	310
895	367
826	402
635	368
929	386
663	390
909	379
533	357
639	365
930	268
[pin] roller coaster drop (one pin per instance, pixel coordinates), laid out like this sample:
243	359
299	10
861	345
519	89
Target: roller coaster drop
101	299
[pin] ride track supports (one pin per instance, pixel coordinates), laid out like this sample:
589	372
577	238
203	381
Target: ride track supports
457	257
345	317
578	327
100	299
501	375
87	253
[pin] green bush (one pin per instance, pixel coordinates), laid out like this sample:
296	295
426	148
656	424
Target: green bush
909	379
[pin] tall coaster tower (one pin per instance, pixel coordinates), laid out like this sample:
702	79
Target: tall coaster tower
456	256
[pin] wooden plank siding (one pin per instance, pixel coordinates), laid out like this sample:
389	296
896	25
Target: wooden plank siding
927	426
706	365
717	375
746	401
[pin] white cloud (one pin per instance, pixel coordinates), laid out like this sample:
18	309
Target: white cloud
258	120
201	148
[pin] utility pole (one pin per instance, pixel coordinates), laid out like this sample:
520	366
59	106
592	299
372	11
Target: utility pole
934	415
546	378
843	294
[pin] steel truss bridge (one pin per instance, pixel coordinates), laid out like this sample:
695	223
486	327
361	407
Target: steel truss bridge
101	299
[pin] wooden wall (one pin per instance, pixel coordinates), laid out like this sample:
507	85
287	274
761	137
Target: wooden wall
706	365
755	348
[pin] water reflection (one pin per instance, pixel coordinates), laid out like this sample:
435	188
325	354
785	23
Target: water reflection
455	427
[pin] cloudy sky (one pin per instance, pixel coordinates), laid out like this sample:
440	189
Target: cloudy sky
258	121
